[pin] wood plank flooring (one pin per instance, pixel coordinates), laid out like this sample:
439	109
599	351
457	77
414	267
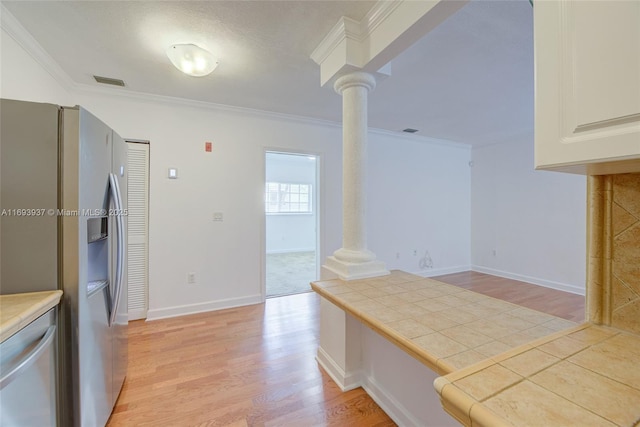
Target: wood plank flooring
248	366
255	365
557	303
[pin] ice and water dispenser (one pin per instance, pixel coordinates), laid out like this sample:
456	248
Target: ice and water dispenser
98	253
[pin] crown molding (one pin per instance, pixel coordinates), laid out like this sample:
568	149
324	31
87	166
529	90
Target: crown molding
377	15
345	29
17	32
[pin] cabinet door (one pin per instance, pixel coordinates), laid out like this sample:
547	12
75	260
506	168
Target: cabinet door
587	56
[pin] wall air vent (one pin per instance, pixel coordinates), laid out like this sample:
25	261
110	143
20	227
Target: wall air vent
409	130
109	81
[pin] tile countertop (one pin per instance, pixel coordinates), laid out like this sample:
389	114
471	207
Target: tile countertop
587	376
18	310
443	326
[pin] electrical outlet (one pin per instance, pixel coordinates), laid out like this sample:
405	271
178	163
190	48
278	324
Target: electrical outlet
415	252
493	252
191	278
397	255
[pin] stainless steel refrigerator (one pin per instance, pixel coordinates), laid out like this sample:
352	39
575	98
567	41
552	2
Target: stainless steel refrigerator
63	180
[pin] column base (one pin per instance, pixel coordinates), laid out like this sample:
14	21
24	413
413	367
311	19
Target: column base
351	270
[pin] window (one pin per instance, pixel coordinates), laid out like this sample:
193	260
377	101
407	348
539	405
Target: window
287	198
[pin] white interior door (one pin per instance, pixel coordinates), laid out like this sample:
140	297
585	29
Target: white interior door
138	229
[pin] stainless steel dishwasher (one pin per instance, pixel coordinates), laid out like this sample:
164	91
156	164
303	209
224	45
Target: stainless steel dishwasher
28	375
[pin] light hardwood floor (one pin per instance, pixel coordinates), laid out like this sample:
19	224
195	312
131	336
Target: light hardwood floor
255	365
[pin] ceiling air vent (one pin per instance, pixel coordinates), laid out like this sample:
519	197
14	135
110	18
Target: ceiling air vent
109	81
409	130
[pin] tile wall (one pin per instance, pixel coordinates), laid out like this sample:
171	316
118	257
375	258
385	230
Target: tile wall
613	289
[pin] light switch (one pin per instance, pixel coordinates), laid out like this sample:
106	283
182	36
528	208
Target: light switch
218	216
173	173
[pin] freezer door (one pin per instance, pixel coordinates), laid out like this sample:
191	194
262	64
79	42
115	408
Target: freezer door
120	316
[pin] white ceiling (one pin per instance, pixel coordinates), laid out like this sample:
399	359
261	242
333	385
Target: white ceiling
470	80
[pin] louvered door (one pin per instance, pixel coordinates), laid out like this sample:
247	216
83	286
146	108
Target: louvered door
138	229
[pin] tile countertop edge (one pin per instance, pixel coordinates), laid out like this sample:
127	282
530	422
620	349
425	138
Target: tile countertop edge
472	412
18	310
406	345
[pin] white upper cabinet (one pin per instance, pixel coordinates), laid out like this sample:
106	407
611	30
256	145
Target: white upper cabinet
587	68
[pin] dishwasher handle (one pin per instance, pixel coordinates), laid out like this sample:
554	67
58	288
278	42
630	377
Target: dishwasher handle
30	358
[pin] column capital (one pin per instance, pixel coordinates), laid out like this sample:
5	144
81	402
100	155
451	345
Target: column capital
357	78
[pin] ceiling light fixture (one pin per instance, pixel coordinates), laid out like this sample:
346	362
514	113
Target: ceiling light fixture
191	59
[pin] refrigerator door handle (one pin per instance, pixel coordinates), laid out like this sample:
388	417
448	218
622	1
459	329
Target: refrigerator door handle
120	249
30	358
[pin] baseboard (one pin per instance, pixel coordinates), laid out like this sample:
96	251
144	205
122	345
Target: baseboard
442	271
396	411
533	280
345	381
137	314
183	310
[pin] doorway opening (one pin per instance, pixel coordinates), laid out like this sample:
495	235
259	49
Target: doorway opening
291	222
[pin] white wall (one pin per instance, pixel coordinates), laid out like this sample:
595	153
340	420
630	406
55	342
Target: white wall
291	232
419	196
535	221
22	78
226	256
419	201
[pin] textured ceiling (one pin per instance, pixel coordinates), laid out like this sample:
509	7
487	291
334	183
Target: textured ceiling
470	80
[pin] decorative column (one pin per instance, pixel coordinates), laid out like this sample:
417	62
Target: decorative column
354	260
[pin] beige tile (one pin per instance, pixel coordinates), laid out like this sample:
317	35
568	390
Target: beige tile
337	289
517	339
532	316
391	300
481	416
610	399
436	321
462	316
410	296
591	335
456	403
480	310
492	348
451	300
392	289
412	286
386	315
410	328
430	292
559	324
487	382
412	310
610	361
528	404
464	359
366	305
539	331
373	293
351	297
512	322
626	252
626	192
563	347
466	336
359	286
432	305
621	219
487	327
529	362
438	345
497	304
627	343
626	317
470	296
